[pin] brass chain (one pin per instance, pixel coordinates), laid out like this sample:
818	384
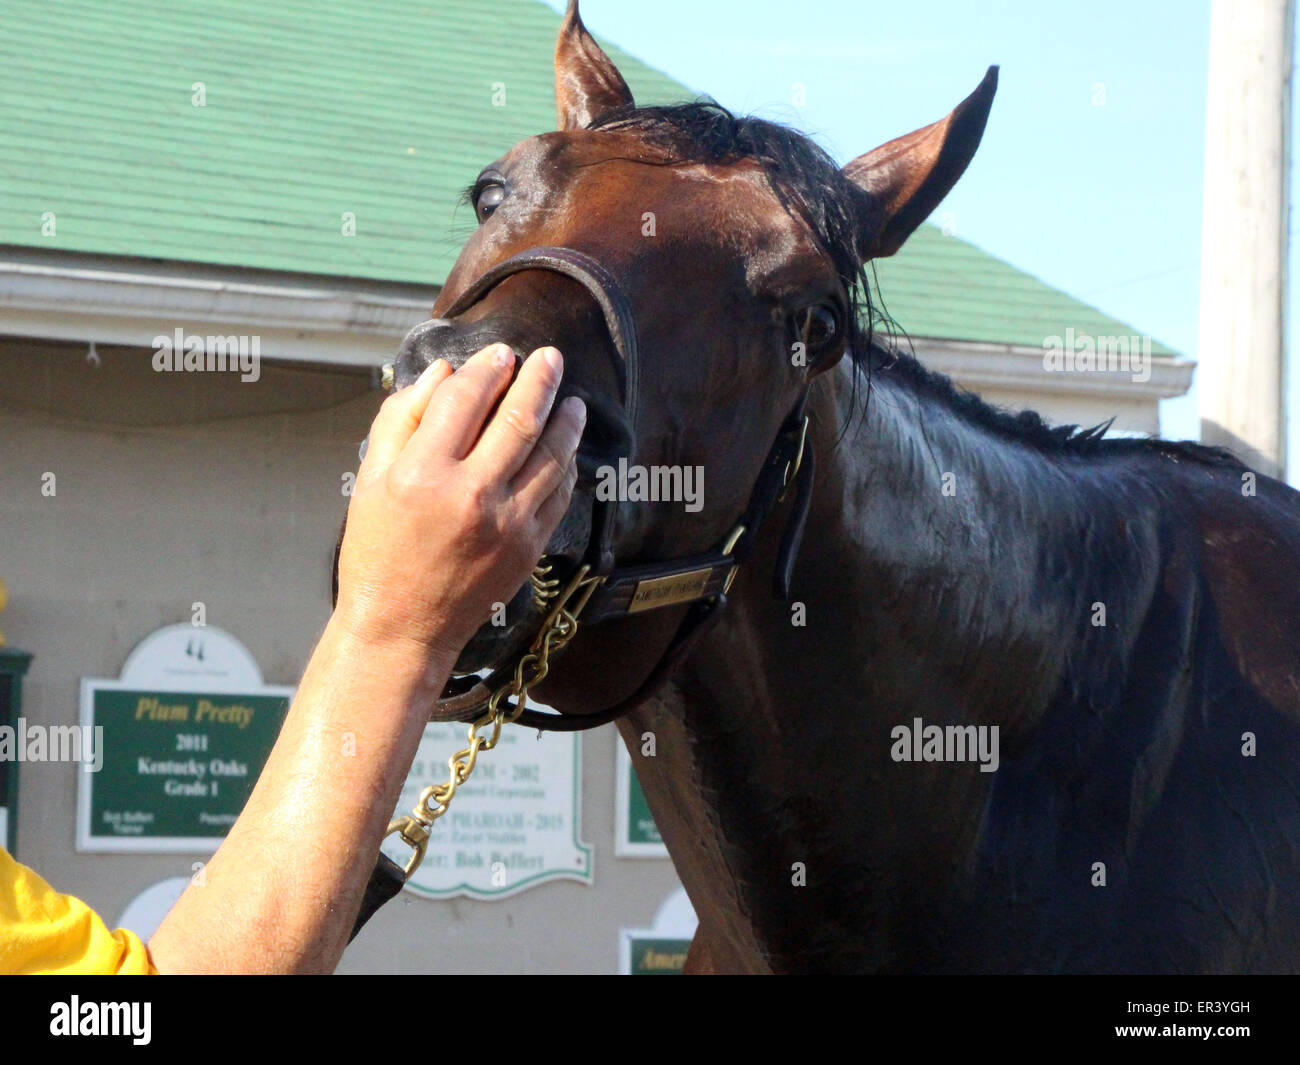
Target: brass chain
560	626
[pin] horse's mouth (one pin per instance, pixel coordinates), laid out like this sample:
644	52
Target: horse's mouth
607	436
511	630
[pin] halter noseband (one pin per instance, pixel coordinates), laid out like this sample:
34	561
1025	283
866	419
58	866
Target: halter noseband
598	281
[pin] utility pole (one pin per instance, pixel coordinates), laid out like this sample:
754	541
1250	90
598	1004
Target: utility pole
1244	231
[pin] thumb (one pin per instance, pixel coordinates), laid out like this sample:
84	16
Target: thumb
398	419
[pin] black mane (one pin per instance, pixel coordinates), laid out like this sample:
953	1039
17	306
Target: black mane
1027	426
809	183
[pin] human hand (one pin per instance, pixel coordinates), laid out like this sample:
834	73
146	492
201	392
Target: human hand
449	516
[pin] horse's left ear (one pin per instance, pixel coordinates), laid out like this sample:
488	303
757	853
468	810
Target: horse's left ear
587	84
905	179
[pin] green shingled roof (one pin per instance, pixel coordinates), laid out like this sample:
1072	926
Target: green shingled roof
940	286
314	108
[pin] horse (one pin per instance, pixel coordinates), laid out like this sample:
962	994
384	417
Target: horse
921	685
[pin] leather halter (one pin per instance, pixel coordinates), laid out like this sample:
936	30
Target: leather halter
598	281
702	580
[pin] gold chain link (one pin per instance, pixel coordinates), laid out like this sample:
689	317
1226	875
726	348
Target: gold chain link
560	627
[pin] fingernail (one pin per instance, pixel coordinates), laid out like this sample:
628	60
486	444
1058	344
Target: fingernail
502	356
432	368
553	359
577	409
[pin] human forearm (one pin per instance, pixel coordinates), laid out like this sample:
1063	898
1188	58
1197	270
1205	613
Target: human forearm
452	507
311	828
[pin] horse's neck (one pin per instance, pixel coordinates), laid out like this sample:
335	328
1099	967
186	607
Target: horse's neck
935	552
914	598
929	546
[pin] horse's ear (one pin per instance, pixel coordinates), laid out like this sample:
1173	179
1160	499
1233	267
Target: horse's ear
587	84
905	179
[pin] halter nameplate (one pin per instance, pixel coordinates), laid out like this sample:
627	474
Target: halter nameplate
669	591
637	589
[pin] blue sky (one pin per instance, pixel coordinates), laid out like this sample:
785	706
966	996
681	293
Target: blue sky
1089	175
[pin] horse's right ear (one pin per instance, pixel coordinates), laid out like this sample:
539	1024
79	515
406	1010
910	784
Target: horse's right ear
905	179
587	84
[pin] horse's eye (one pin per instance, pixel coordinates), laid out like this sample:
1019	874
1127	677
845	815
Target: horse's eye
818	326
488	198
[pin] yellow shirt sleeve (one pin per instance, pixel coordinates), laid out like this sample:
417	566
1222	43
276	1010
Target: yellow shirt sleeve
42	931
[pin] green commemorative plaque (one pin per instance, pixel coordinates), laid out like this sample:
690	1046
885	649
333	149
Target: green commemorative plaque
184	734
658	957
661	949
636	835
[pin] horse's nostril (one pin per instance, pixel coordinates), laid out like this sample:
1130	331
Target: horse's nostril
426	343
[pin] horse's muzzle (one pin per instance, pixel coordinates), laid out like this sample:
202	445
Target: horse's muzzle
601	359
606	436
608	433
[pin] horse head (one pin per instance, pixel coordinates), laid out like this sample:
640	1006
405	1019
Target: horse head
733	250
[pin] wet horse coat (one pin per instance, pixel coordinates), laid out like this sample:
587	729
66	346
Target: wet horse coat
1145	812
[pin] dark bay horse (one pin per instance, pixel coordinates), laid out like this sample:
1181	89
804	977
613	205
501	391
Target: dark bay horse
824	766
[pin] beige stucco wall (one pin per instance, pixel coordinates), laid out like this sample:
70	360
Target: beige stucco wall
177	488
